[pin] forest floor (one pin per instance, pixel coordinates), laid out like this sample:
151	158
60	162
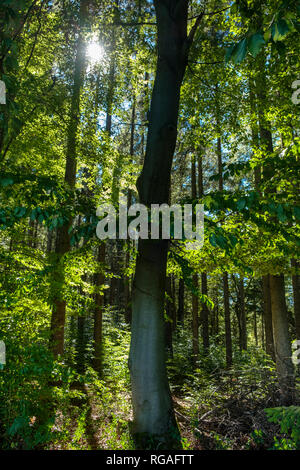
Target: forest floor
236	422
216	409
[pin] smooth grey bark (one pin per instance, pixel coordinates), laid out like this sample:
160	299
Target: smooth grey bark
284	365
296	295
151	398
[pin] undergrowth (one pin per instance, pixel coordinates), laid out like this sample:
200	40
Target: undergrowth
48	405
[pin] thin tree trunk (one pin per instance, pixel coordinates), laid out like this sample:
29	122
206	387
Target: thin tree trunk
268	317
205	315
255	328
168	321
195	323
80	344
243	316
180	310
98	312
99	277
228	340
63	238
129	198
204	290
195	300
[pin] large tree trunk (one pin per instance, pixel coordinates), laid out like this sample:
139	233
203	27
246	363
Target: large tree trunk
63	237
296	295
284	365
151	398
282	344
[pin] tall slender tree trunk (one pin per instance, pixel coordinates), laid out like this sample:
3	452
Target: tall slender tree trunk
151	398
63	239
255	328
80	344
228	339
204	289
169	320
129	199
195	323
243	315
284	365
258	127
99	306
99	277
195	300
205	315
180	310
267	311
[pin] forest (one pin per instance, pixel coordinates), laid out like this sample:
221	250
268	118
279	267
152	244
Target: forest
149	225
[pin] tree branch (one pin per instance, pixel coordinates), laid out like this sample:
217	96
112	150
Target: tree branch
211	13
192	33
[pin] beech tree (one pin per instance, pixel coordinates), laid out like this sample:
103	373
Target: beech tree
151	398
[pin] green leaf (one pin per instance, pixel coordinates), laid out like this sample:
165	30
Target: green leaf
267	35
296	211
239	51
280	213
255	43
229	53
280	30
213	239
241	203
20	211
6	181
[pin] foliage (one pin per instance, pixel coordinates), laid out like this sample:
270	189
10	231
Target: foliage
289	420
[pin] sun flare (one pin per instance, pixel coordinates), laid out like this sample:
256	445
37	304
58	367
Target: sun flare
95	52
